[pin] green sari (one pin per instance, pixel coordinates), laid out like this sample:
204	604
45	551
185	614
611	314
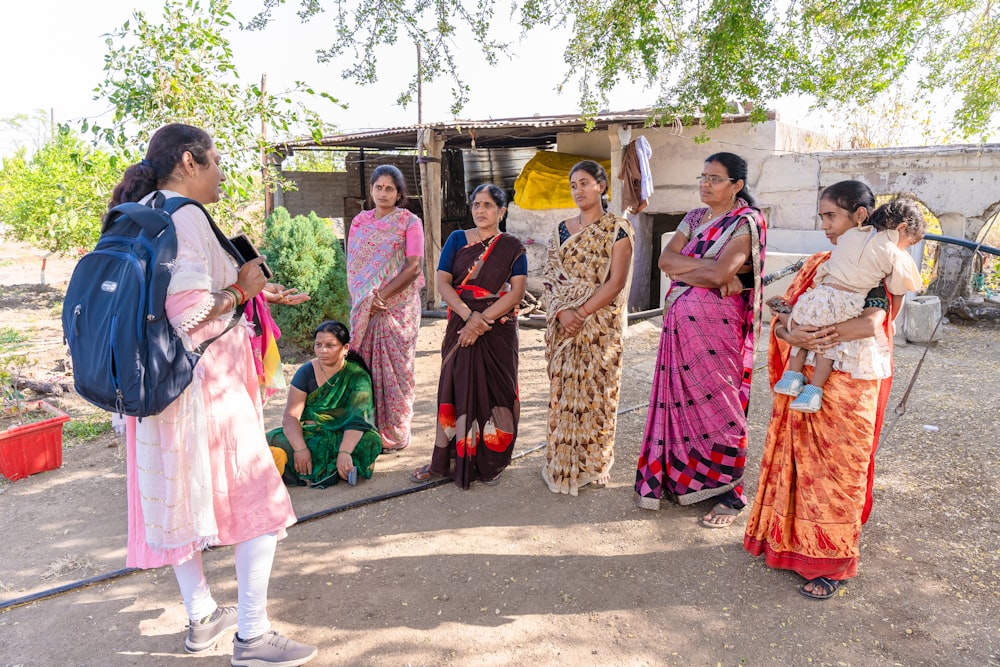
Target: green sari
343	403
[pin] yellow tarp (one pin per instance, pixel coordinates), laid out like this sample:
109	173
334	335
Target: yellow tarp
544	181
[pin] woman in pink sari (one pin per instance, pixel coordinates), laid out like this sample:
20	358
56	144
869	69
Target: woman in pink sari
385	251
695	444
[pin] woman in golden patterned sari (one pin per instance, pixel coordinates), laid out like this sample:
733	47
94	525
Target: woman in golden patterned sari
585	296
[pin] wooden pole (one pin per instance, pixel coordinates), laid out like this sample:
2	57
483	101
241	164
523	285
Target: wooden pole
429	147
265	175
420	87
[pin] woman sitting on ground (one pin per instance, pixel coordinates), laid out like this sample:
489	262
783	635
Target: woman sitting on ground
328	429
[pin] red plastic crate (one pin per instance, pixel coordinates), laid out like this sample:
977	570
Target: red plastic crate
31	448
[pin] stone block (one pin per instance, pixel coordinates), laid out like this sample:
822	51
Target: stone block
922	316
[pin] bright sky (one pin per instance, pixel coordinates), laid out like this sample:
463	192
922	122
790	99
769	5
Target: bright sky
53	54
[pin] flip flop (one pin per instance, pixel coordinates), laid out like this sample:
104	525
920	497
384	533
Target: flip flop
423	474
829	586
721	510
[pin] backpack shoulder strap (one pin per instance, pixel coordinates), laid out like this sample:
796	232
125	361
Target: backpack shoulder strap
171	206
152	221
174	204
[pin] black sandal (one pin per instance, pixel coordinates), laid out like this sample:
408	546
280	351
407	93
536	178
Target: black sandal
423	474
829	586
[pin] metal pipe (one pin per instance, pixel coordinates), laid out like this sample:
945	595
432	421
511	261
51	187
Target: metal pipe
971	245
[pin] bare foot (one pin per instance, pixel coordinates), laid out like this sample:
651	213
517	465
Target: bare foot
600	482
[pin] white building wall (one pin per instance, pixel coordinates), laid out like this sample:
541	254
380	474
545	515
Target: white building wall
960	185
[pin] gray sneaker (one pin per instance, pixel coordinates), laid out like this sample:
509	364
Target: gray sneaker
270	650
202	636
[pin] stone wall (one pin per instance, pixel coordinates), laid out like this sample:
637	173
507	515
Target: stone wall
322	192
960	185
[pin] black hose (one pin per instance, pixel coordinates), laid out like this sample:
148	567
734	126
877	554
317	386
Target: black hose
971	245
66	588
84	583
117	574
354	504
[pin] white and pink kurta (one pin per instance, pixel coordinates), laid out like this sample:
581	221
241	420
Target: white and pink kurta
200	473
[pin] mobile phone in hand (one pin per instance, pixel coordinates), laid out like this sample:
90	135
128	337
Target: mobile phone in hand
248	251
778	305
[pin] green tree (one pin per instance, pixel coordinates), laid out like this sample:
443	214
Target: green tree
56	198
305	253
179	68
319	160
703	54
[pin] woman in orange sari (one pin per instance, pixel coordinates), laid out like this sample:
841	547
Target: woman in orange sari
815	486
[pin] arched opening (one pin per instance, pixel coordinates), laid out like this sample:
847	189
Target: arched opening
986	266
923	253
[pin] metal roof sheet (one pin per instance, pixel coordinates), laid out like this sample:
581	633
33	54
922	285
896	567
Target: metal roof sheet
534	130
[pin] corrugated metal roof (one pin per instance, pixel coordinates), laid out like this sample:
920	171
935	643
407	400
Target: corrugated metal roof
535	130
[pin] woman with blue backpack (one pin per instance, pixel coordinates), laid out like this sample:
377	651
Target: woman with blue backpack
199	472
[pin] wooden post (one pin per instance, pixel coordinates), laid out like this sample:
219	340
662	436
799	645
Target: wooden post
264	172
420	87
429	146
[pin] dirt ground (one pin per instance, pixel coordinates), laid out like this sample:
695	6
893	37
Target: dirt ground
514	575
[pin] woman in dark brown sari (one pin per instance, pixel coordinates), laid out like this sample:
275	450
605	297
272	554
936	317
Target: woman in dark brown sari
481	276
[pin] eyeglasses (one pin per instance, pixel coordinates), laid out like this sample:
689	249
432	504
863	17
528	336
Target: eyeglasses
712	179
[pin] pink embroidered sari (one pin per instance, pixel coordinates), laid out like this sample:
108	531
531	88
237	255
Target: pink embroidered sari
376	252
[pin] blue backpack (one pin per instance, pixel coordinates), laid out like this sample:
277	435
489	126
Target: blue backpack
126	356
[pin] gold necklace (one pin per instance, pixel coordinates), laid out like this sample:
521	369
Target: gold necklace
319	367
716	216
480	237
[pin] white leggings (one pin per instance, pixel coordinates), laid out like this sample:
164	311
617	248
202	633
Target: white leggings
253	572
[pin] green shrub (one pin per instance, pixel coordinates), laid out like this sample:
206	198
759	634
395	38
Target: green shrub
305	253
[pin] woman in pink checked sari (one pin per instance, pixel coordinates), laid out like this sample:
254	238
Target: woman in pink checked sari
385	252
695	443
